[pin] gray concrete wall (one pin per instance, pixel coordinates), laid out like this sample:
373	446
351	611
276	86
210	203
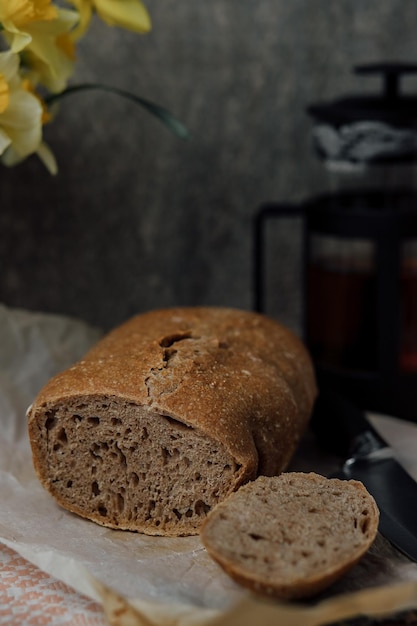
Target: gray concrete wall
137	218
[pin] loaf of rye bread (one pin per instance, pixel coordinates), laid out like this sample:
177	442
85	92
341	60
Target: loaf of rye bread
170	413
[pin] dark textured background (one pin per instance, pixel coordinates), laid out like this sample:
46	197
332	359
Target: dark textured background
137	218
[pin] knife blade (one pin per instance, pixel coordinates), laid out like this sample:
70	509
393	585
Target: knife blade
372	461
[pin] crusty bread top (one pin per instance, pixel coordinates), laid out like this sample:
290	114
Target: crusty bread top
235	375
290	536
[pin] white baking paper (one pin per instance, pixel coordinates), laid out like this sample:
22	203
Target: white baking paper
165	570
171	579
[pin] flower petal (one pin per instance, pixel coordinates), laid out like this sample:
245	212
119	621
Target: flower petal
5	141
85	11
129	14
22	122
46	156
9	68
16	38
4	94
10	157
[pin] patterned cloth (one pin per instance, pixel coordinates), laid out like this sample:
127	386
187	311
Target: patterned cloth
30	597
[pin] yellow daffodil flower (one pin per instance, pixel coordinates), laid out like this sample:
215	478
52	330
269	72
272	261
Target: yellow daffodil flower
41	37
15	15
128	14
20	117
38	29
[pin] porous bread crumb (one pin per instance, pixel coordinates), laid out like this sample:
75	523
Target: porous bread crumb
293	535
126	466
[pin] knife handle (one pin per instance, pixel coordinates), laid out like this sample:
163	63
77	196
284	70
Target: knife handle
341	427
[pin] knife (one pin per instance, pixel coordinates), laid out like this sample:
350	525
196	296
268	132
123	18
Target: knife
342	426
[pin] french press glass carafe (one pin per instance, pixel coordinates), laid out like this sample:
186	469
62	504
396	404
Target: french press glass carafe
360	247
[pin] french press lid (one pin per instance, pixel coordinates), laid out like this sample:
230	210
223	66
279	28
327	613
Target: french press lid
369	128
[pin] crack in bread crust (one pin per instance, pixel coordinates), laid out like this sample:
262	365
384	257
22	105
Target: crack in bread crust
179	352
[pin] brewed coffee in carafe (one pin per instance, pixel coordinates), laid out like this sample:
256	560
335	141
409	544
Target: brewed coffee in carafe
341	296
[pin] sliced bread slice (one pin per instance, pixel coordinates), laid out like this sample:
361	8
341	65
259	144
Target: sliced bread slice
291	536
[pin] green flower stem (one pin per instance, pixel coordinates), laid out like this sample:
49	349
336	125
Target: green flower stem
160	112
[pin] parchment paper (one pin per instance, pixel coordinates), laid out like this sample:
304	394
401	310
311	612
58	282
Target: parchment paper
138	577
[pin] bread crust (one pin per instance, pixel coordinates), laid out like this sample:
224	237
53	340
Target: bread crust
235	377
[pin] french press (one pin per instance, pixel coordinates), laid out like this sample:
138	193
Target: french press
359	251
